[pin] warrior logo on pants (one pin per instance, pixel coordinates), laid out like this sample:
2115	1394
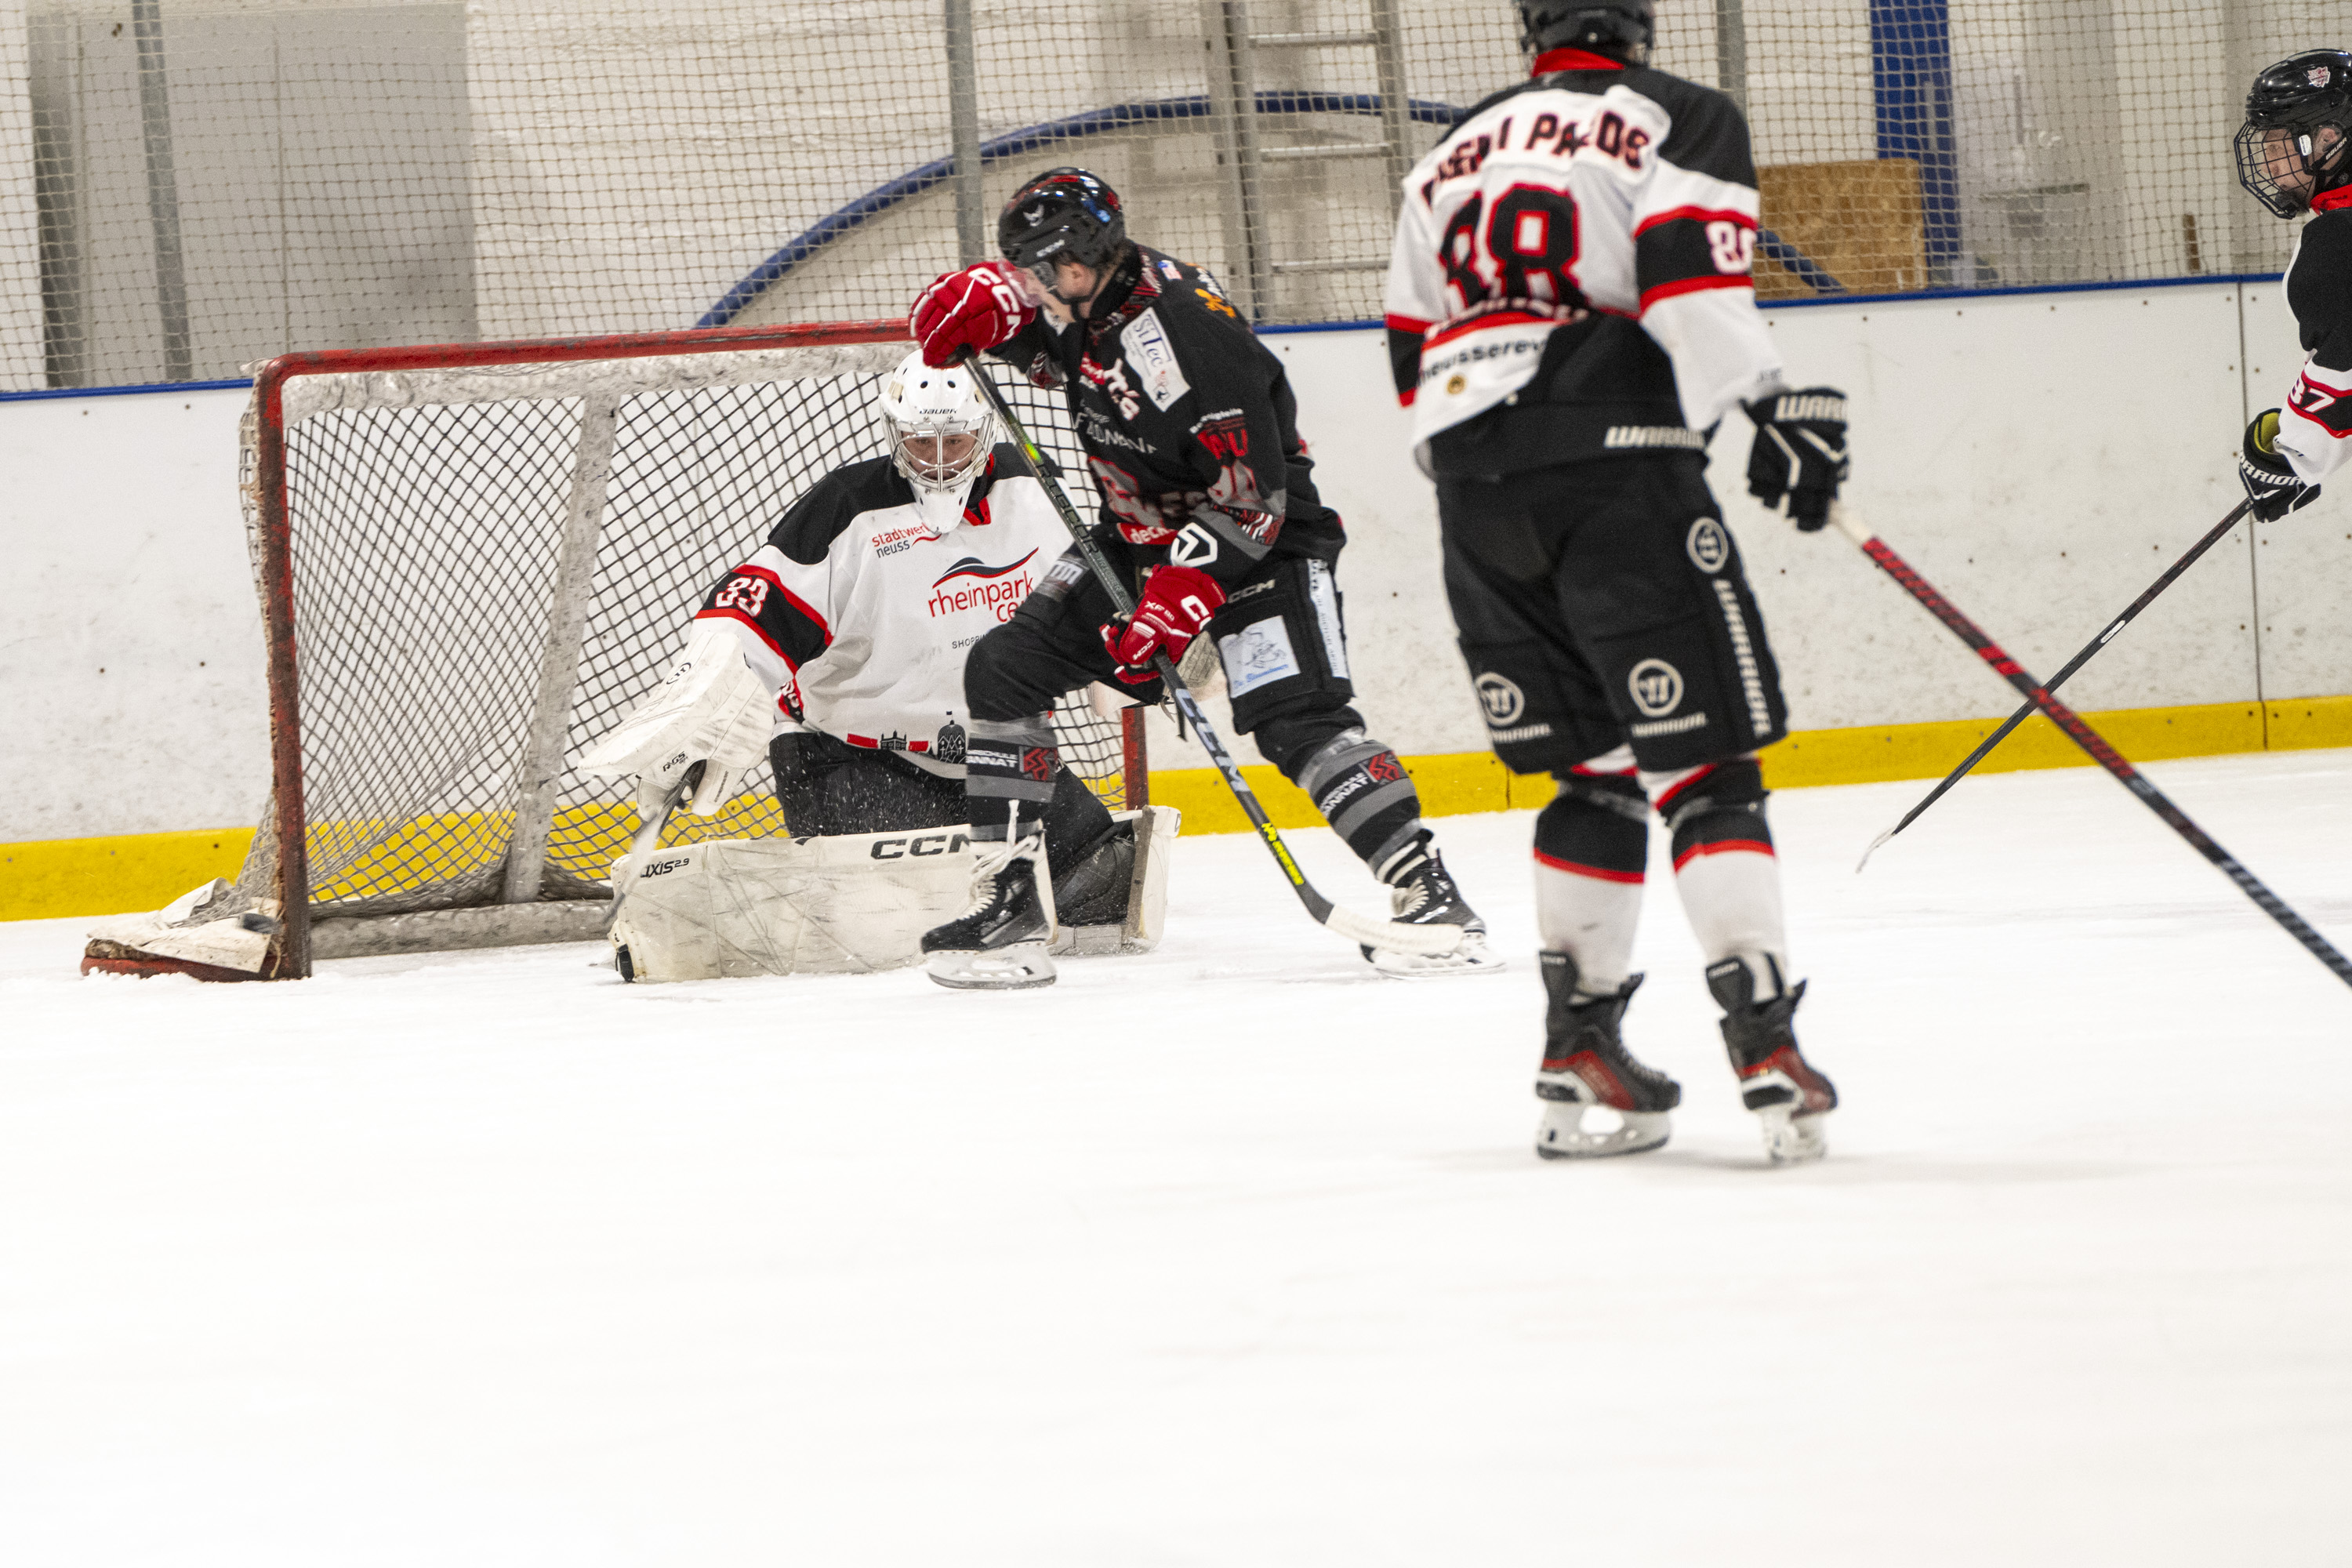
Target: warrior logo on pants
1656	686
1502	699
1709	546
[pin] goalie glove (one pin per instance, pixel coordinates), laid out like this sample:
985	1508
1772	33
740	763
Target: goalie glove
968	311
1800	452
710	708
2271	481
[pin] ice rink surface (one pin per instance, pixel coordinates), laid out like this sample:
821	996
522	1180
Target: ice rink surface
1235	1253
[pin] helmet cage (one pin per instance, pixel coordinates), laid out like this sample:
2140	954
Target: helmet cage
933	406
2283	160
2282	163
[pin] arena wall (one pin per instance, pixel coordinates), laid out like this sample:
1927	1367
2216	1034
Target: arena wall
2040	456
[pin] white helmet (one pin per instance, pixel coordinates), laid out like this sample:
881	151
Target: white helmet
918	403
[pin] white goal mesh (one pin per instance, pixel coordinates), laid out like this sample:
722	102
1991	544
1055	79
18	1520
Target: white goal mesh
476	562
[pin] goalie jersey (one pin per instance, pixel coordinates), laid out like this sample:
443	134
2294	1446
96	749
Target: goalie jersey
2315	422
860	608
1572	272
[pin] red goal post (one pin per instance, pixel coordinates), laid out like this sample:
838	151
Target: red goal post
473	559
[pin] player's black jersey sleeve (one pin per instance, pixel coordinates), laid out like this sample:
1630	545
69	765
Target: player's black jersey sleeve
2319	289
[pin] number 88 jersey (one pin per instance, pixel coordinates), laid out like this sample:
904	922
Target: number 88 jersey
1572	272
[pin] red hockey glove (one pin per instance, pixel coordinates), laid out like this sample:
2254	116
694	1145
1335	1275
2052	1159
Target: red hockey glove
973	309
1177	602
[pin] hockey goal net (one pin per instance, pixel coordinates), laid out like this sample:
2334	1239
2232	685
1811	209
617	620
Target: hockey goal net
474	560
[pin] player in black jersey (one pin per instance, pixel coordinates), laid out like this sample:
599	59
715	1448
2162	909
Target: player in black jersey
2294	154
1190	429
1570	313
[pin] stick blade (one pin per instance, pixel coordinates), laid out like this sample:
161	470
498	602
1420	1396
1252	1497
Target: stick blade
1394	936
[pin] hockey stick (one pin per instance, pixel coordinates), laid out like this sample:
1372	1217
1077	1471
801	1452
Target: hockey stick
2090	740
2058	680
1391	936
648	835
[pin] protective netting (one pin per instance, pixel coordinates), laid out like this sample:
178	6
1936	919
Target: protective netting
189	187
448	526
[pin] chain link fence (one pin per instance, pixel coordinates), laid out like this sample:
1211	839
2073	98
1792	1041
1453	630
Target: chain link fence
190	187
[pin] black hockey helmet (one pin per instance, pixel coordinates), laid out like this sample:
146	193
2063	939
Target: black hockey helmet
1623	27
2286	153
1063	213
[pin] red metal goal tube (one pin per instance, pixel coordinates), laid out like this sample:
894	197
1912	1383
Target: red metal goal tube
289	954
2090	740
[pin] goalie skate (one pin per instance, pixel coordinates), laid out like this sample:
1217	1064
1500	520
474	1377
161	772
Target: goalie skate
1423	892
1002	941
1587	1069
1791	1099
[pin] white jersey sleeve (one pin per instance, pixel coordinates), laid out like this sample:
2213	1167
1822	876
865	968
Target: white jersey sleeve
1695	224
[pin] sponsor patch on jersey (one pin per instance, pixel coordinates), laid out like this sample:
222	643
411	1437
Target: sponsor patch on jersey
1501	698
1709	546
1257	655
1154	359
972	584
1656	687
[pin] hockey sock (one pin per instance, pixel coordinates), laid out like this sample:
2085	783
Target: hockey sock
1361	788
1592	846
1724	868
1008	770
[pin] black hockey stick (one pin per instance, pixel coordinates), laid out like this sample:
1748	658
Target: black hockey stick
1391	936
2090	740
2058	680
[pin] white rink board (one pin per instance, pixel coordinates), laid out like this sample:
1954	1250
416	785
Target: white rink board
2039	457
1234	1254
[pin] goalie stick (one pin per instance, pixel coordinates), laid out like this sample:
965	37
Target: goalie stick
648	838
1392	936
2090	740
2058	680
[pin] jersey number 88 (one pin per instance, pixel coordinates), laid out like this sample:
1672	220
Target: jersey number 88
1523	247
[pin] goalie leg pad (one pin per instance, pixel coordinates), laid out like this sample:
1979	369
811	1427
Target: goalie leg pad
852	904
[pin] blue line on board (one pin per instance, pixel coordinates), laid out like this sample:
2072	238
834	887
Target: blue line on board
134	390
1029	139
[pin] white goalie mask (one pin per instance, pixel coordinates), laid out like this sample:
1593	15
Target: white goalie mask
940	431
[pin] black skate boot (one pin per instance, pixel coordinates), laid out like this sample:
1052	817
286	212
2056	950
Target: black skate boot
1421	892
999	942
1776	1082
1093	892
1586	1065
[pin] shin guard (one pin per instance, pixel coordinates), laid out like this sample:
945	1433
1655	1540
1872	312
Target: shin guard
1725	867
1591	852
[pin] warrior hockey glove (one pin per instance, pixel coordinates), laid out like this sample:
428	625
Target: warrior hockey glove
710	707
1177	602
2270	480
1800	452
970	311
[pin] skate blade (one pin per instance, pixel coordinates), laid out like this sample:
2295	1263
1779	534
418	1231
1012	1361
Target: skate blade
1561	1134
1791	1139
1473	957
1022	966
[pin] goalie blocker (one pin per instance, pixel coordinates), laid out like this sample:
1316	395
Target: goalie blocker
858	903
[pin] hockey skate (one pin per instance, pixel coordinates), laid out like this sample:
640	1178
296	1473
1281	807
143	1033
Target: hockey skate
1421	892
1586	1067
1776	1082
1000	942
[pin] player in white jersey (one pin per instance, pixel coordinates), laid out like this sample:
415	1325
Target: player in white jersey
1570	313
2294	154
837	648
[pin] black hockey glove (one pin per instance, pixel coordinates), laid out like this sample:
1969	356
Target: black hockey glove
1800	452
2270	480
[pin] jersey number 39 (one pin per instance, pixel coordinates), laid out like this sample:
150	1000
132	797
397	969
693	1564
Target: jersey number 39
1523	247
